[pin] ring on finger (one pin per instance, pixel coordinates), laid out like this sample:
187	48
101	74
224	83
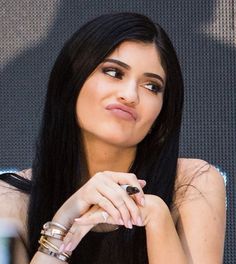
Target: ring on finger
105	216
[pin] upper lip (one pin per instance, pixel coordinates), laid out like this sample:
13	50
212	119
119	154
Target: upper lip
124	108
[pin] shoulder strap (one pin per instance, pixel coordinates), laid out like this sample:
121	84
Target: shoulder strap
17	181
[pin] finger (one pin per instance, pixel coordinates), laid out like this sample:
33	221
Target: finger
109	207
74	236
142	183
118	198
95	218
131	179
121	178
130	204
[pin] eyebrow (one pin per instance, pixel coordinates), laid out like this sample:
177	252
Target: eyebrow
126	66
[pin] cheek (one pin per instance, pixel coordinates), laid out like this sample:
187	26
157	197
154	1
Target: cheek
153	109
83	104
89	101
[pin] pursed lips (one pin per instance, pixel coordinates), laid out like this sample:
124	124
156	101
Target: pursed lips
123	108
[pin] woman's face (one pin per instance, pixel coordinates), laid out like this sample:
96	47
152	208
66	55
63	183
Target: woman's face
121	99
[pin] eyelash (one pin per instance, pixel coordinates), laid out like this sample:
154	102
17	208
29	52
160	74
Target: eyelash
156	88
119	74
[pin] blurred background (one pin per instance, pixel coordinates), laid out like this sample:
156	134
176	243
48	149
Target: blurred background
33	31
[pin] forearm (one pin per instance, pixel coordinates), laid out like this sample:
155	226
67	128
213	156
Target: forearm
163	243
41	258
51	245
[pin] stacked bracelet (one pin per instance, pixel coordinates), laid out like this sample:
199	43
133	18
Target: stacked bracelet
53	254
51	224
56	231
53	232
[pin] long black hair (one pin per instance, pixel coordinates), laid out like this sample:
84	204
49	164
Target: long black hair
60	166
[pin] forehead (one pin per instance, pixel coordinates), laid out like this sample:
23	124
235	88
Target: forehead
135	53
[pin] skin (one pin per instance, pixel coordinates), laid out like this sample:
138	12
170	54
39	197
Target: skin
176	236
112	83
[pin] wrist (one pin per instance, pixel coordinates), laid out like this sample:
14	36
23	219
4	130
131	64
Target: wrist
62	220
51	241
158	214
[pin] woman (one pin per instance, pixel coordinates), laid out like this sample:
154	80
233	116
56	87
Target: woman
112	118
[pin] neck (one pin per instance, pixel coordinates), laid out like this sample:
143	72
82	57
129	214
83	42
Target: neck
102	156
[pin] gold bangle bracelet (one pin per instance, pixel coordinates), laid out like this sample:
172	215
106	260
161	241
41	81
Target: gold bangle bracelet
42	241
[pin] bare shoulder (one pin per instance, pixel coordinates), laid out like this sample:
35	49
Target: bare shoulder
27	173
13	203
199	210
196	180
200	175
13	209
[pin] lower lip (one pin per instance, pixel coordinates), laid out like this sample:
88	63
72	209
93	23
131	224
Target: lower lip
122	114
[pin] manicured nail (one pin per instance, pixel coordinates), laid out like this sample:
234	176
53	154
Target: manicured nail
139	221
129	224
68	247
61	248
144	183
142	201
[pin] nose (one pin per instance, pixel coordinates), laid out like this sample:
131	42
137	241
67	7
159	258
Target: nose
128	94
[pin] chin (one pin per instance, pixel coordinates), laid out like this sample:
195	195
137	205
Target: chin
122	140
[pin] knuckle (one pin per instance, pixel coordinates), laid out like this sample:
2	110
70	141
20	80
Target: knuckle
106	173
91	183
133	176
97	175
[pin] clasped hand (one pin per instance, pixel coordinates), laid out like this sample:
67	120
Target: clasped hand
102	200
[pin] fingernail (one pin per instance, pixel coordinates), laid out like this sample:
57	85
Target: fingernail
144	183
139	221
61	248
129	224
142	201
68	247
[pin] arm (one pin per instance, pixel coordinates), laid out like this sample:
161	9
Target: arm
163	243
12	212
202	216
199	235
102	189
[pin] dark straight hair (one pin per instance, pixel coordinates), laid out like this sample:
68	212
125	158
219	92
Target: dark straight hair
60	166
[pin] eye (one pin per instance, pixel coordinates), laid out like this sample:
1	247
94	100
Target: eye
113	72
154	87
